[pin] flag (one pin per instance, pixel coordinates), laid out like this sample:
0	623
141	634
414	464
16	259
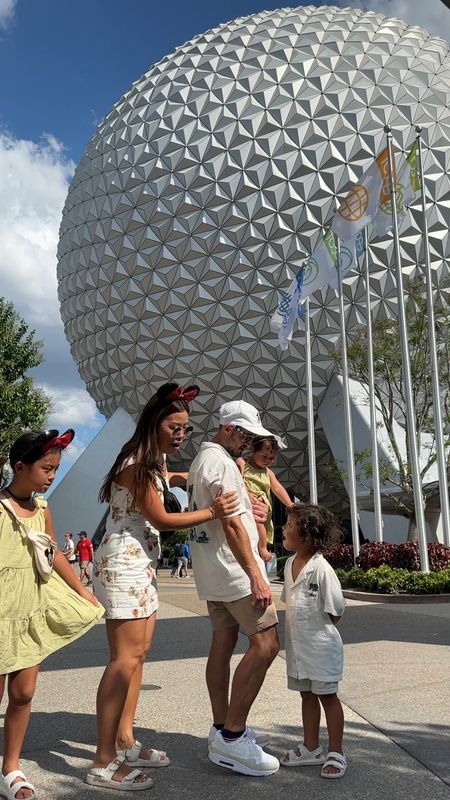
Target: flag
319	270
362	202
289	309
407	184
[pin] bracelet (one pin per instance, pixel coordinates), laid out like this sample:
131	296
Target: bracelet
213	513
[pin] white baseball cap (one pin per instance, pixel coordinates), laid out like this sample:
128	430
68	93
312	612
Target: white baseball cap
242	414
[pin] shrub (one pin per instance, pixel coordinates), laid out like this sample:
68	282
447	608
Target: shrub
438	556
374	554
389	580
407	556
340	556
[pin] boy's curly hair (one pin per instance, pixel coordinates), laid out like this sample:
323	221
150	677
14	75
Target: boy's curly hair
316	524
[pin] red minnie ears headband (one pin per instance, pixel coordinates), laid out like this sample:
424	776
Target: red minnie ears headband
181	393
62	441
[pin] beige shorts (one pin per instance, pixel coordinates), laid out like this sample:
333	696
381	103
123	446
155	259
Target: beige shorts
241	612
316	687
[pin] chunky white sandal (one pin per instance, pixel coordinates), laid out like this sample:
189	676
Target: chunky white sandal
9	789
337	760
132	755
307	758
102	777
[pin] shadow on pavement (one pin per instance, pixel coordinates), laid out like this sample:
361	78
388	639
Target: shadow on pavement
191	775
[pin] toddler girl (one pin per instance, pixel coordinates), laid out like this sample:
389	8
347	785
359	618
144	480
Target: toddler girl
260	481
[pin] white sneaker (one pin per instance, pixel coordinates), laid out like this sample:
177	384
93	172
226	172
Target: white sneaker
259	737
242	755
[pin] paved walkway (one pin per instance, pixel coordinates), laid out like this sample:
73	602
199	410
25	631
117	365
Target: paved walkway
397	661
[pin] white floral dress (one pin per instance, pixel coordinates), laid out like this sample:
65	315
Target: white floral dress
123	574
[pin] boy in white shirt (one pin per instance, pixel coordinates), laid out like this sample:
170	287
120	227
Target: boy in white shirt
314	650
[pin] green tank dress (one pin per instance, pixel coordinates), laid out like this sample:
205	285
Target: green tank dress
257	482
36	618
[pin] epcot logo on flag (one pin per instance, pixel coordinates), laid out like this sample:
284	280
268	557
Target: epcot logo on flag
355	205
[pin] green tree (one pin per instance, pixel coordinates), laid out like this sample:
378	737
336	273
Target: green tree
23	406
390	393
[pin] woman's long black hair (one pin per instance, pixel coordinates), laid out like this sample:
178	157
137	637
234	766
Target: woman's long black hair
142	448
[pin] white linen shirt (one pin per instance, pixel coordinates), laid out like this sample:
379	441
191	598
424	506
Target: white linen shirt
314	648
218	576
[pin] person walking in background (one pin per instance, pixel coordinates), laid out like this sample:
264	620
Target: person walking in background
231	576
69	548
260	482
185	556
36	617
85	556
176	564
123	580
314	650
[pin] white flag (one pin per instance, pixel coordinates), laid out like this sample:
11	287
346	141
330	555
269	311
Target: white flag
407	183
362	202
349	254
320	267
319	270
282	322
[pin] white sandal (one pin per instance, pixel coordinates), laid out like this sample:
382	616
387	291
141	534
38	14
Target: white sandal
132	755
337	760
307	758
9	790
102	776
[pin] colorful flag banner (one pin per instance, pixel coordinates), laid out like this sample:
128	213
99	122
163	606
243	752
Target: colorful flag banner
407	184
319	270
361	204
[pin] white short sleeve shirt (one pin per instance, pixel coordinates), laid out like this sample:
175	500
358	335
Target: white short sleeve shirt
218	575
314	648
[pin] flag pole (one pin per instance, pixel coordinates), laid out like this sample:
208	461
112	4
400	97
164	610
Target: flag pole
409	401
373	413
347	413
310	411
440	446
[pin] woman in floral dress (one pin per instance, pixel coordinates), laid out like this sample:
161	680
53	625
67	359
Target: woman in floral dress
123	578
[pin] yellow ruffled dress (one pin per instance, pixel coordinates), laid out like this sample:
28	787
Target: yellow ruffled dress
36	618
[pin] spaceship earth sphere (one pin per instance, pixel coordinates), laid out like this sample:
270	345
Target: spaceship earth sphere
207	185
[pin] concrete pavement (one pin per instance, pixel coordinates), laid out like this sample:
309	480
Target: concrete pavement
395	693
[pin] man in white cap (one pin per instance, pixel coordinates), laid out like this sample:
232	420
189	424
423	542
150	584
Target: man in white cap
231	576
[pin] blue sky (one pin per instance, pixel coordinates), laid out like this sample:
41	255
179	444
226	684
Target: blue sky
63	64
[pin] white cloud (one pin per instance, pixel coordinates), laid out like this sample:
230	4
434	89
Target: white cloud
7	8
33	187
429	14
71	408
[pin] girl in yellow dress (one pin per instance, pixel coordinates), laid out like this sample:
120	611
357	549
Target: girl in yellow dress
37	616
261	482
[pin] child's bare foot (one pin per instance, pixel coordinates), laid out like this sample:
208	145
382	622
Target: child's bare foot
265	554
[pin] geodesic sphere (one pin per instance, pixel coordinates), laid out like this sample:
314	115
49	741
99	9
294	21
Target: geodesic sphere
207	185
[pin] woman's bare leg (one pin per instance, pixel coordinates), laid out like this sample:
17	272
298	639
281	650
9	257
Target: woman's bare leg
126	639
125	733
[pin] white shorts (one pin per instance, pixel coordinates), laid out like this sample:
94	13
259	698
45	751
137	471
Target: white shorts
316	687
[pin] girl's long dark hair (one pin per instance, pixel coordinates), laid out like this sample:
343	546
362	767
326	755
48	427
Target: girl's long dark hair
28	449
142	448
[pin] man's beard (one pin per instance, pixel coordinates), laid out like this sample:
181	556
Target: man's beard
234	451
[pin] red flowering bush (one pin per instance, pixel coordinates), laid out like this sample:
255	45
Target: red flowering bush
439	557
374	554
340	556
407	556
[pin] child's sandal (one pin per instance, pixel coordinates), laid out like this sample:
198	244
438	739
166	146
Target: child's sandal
307	758
9	789
337	760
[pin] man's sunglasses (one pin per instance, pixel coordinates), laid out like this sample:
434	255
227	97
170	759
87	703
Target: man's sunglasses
245	435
